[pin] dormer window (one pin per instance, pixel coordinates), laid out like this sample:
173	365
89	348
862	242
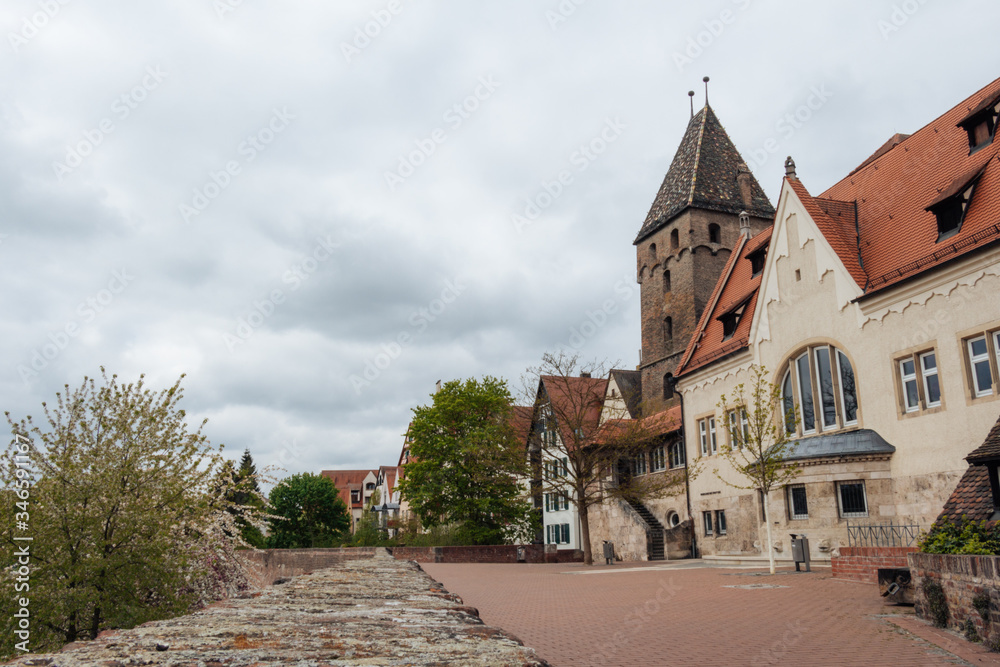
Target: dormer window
731	317
952	205
757	259
981	124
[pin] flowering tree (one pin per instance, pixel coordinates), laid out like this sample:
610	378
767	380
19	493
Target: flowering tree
120	507
762	437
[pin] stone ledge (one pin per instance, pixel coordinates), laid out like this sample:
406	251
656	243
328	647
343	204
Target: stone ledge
370	611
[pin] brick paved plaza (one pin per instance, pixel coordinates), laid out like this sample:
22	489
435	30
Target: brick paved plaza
683	614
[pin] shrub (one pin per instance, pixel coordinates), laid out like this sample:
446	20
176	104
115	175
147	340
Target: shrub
974	538
970	631
981	603
937	604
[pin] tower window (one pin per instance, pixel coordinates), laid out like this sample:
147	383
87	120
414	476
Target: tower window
666	282
668	386
714	234
668	329
652	251
675	240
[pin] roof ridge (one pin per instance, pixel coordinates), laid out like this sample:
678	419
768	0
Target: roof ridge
697	153
970	100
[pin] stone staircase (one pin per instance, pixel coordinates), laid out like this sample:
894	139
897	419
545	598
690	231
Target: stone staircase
655	548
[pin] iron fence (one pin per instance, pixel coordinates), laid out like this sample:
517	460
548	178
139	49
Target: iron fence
882	534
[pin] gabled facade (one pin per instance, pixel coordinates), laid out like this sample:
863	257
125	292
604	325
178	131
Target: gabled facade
355	488
875	307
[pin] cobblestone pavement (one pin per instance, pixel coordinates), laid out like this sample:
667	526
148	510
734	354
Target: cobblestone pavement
679	615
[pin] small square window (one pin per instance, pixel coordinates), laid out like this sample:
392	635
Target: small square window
852	499
707	520
798	508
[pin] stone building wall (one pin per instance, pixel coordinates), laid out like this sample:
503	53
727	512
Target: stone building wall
616	522
962	578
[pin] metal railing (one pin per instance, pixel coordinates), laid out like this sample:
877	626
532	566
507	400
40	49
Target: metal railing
882	534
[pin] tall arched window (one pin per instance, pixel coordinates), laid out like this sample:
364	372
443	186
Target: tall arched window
652	252
714	234
820	388
666	281
668	329
675	239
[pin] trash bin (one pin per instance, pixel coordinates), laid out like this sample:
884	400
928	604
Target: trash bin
609	553
800	551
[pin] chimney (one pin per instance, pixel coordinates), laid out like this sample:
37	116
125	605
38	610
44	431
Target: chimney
790	167
745	223
437	386
743	180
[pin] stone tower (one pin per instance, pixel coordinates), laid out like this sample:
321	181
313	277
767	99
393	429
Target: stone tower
686	240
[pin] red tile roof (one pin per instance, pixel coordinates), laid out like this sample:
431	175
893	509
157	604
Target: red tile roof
898	236
973	497
737	285
347	481
576	403
521	421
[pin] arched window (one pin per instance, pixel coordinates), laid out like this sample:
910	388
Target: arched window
668	329
652	252
675	240
666	281
819	387
714	234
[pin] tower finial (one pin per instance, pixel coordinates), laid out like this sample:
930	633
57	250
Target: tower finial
691	97
705	79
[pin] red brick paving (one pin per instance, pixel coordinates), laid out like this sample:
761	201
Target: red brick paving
688	617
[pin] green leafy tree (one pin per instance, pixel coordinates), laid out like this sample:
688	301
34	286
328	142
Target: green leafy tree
466	464
119	500
759	451
307	513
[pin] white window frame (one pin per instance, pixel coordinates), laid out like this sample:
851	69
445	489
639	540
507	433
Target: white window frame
840	381
978	359
907	379
712	435
819	385
720	526
703	432
680	455
840	499
706	520
792	510
926	374
658	459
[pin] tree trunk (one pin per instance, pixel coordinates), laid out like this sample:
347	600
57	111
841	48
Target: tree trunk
95	627
588	556
770	540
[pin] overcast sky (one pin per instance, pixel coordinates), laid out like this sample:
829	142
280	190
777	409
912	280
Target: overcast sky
309	207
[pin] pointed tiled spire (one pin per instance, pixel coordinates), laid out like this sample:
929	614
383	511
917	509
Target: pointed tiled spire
705	173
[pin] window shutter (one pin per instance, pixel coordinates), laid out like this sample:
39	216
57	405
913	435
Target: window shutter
565	533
